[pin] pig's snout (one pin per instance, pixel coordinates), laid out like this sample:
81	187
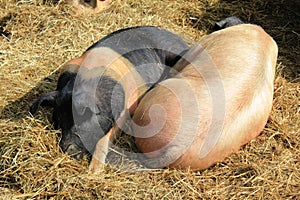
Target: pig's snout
71	144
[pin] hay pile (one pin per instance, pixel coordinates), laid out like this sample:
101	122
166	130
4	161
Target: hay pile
37	37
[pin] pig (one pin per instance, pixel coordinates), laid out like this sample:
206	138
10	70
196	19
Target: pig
219	100
107	80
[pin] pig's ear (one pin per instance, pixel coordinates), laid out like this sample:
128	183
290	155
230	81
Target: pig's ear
65	95
48	99
227	22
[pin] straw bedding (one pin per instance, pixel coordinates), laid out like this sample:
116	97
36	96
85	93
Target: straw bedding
37	37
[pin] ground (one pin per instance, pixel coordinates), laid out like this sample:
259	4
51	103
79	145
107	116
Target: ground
37	37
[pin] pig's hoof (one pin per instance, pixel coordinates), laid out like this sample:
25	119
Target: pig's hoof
96	167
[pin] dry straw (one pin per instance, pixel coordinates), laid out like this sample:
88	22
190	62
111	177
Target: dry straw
37	37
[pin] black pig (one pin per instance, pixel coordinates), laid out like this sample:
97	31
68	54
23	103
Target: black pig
92	91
